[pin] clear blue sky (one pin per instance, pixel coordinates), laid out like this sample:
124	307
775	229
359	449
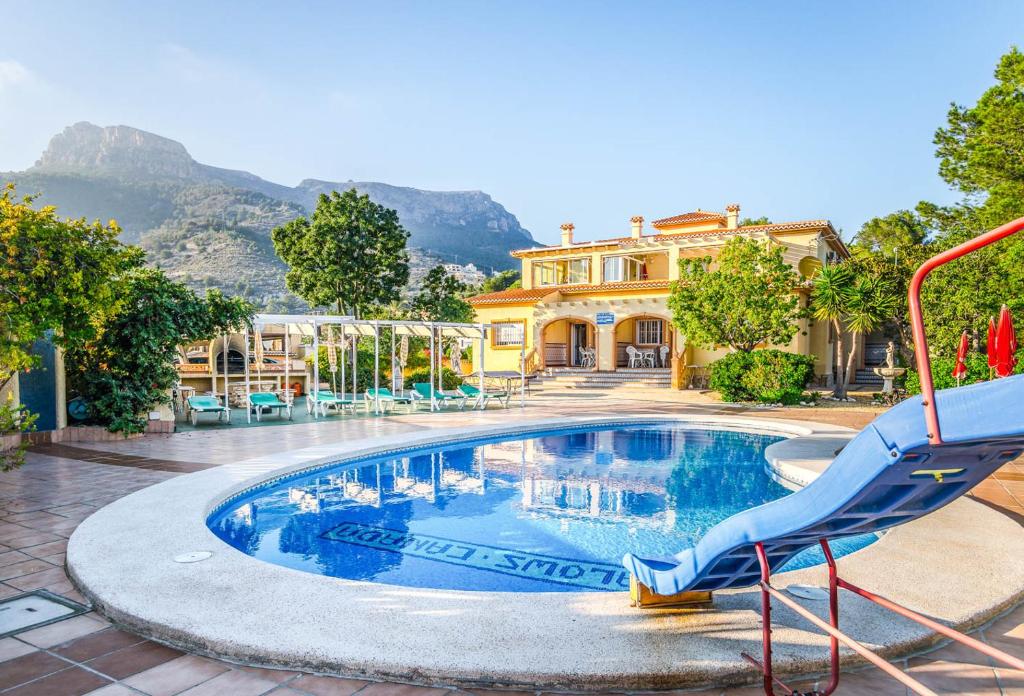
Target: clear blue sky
589	112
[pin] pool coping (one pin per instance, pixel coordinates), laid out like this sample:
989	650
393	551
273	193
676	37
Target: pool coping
233	606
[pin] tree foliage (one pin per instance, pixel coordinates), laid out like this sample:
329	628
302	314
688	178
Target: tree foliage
853	299
746	299
129	367
763	220
350	255
441	298
505	280
56	275
902	231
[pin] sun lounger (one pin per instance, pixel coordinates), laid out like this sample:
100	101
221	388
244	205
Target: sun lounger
471	392
422	391
207	404
387	399
265	400
323	399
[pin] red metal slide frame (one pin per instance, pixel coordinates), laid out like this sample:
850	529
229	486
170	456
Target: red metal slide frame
835	582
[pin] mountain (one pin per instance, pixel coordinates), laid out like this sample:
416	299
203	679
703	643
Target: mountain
210	227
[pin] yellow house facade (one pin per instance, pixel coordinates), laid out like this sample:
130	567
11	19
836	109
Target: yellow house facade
602	305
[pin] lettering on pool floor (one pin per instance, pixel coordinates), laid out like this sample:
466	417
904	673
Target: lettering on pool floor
530	566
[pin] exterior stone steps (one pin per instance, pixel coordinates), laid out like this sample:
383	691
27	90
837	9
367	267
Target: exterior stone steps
570	378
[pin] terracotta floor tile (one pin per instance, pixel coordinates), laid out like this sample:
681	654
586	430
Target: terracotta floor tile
28	667
956	678
386	689
35	581
11	648
96	644
133	659
63	631
275	675
32	538
327	686
11	557
73	681
26	567
113	690
175	676
956	652
1011	681
235	682
872	681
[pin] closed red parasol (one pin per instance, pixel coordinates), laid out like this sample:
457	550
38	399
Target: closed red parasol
960	369
1006	344
991	348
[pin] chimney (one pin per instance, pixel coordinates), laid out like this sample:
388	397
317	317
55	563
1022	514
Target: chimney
732	216
567	229
636	226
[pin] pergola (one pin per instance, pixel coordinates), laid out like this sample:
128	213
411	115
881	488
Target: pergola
346	326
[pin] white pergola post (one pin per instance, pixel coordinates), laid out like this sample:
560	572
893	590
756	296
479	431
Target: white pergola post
315	391
248	410
522	370
344	348
287	366
355	367
391	371
482	399
432	358
376	367
225	353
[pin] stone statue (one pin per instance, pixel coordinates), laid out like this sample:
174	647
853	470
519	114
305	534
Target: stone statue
890	355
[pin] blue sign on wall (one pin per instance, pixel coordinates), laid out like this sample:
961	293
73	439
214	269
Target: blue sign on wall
604	318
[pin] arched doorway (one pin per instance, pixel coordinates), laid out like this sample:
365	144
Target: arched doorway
645	333
569	342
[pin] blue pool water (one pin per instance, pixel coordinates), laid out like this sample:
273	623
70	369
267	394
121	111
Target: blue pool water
549	512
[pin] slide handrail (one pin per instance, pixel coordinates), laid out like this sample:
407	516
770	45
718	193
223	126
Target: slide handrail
924	368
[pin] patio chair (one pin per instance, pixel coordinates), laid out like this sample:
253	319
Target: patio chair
474	393
901	467
387	399
207	404
664	356
261	401
635	358
421	392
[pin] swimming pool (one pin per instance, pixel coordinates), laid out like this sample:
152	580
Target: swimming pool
545	512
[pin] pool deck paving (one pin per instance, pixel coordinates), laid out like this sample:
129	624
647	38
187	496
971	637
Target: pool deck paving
42	503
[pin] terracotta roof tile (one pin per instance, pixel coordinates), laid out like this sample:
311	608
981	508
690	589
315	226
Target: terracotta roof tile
510	296
693	216
520	295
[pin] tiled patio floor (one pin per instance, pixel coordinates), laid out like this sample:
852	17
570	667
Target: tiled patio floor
41	504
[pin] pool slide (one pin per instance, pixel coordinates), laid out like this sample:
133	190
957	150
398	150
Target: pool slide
888	475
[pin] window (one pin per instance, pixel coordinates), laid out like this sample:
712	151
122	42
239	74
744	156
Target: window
649	332
561	272
623	268
508	333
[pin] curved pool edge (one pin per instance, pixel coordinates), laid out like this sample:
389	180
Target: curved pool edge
121	559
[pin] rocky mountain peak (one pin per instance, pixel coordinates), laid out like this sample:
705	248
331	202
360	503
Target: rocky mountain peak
119	150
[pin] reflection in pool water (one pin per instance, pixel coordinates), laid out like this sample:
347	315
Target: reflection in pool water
549	512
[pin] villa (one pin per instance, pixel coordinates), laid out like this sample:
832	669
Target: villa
602	305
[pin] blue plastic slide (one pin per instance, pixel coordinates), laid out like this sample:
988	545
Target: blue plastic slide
887	475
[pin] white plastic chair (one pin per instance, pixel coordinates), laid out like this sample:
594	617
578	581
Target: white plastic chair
635	358
664	356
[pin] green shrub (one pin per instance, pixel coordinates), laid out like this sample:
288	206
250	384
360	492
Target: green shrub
15	418
769	376
727	375
942	373
449	380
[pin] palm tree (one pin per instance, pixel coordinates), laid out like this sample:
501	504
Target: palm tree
854	302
